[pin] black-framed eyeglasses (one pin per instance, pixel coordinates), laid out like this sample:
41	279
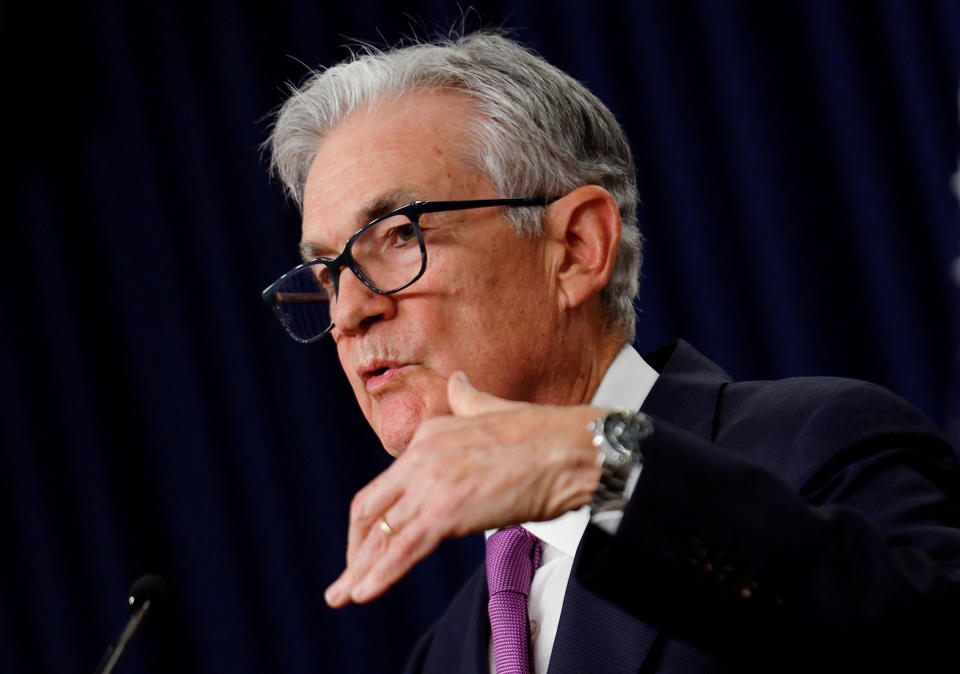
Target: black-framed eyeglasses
387	255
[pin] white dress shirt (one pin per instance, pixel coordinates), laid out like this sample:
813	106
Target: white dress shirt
625	384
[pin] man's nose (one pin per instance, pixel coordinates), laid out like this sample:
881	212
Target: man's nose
356	306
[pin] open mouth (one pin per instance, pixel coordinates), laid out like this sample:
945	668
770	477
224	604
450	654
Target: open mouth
378	376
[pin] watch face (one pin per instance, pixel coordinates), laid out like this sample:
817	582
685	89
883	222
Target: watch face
625	431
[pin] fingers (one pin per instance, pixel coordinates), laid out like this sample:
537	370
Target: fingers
467	401
370	543
368	506
339	593
381	558
368	547
403	552
366	539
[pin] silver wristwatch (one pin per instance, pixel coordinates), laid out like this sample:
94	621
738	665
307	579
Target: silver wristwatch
619	436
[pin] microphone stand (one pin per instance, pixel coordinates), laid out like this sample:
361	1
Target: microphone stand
144	593
115	650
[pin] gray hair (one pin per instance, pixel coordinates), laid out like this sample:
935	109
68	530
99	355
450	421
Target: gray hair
538	131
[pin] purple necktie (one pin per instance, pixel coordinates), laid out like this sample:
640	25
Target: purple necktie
513	554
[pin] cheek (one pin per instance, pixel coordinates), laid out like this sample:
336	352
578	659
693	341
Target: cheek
470	288
464	324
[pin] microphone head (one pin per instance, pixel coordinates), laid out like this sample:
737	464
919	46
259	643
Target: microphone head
149	587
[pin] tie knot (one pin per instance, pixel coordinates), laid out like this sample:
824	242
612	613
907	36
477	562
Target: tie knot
513	554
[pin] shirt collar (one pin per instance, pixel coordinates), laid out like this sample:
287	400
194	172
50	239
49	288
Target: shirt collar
625	384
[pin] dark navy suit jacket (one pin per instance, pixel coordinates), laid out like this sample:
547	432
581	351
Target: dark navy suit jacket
805	524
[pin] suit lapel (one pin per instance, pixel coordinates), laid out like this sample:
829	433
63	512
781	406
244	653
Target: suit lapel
475	656
594	635
457	643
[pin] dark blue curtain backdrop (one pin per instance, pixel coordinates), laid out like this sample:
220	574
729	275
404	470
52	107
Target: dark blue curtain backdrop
794	160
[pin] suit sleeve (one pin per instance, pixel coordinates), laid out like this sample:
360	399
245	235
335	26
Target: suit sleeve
845	549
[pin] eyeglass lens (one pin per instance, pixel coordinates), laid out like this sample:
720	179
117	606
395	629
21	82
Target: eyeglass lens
387	254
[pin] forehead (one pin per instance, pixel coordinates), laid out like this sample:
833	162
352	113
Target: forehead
402	149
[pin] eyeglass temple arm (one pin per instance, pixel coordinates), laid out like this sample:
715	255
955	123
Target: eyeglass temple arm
435	206
300	298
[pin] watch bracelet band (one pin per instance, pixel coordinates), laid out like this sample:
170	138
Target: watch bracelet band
618	474
611	491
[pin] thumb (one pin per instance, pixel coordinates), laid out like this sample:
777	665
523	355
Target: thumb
466	401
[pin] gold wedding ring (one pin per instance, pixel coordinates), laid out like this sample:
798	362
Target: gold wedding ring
386	528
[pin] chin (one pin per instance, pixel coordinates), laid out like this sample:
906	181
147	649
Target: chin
395	440
397	422
396	411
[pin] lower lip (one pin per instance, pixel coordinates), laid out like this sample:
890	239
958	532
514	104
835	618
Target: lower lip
380	380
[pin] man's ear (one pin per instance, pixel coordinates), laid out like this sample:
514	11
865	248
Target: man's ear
586	222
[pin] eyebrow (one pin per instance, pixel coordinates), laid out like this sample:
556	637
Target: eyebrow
376	208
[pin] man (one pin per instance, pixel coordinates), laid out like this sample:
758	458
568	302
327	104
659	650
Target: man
470	245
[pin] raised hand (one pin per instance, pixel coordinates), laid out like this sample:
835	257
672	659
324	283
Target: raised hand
491	463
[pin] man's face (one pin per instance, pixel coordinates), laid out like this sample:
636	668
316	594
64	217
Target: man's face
487	303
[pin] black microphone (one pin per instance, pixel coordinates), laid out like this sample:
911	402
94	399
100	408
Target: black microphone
146	592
